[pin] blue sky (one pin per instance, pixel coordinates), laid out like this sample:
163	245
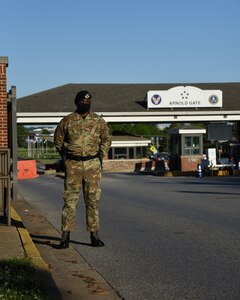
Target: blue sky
54	42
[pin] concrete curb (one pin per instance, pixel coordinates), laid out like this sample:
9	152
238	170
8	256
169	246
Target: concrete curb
28	245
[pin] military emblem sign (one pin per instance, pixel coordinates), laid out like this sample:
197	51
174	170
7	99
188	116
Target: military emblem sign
184	96
156	99
213	99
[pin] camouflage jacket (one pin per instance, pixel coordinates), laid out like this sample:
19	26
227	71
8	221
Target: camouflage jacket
82	136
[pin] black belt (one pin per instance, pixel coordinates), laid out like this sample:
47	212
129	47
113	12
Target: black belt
81	158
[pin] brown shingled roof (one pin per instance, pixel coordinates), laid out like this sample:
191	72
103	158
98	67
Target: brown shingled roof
116	97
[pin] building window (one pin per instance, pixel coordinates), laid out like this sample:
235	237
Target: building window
127	153
120	153
131	153
141	152
191	145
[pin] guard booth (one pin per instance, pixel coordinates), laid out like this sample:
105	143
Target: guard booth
186	147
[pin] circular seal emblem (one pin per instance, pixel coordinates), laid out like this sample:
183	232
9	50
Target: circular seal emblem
156	99
213	99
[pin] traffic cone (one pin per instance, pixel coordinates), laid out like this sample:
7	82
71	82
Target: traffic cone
199	171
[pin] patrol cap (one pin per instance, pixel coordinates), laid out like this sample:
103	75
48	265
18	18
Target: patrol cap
82	95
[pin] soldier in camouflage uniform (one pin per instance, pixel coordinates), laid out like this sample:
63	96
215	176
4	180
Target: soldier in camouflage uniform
82	138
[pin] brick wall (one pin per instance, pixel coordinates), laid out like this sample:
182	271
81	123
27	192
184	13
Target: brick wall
3	103
120	165
189	163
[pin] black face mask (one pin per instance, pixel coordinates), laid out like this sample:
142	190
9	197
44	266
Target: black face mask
83	108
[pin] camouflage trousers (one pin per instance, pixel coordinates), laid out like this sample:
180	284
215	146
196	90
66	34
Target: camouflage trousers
86	176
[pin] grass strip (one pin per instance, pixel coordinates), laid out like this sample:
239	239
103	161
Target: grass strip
19	280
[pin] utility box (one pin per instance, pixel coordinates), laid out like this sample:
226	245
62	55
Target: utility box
212	156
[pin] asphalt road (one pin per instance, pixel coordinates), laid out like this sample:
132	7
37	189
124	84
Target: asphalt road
166	237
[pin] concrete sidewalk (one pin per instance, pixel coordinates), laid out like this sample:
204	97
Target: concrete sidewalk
64	274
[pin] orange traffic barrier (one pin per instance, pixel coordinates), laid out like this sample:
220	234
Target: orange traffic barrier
27	169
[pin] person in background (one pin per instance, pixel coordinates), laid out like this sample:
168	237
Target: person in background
153	151
204	163
82	138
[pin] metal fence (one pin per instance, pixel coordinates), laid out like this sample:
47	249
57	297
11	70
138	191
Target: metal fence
37	148
5	184
8	160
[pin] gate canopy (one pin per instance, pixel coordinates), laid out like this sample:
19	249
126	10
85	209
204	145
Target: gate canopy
121	103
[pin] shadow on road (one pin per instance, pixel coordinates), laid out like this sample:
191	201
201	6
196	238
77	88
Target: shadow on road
47	240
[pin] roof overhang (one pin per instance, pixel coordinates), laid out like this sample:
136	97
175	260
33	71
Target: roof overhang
134	117
187	131
129	141
120	141
130	144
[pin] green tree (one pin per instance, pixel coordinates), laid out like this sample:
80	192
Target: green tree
141	129
45	131
22	134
